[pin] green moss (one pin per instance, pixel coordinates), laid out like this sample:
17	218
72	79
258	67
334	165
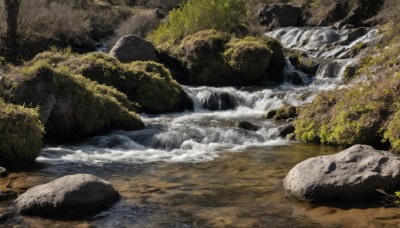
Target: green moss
20	134
347	117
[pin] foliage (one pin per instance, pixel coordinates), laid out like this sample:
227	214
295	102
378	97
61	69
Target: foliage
196	15
20	134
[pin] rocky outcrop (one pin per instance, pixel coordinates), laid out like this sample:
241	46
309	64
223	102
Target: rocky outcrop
354	12
280	15
72	195
352	174
213	58
133	48
71	106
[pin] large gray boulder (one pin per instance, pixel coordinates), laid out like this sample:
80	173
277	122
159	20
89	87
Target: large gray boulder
352	174
133	48
71	195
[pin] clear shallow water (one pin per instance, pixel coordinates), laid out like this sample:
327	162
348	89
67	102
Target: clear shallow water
233	190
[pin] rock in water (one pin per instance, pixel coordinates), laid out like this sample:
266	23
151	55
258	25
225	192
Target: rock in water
3	172
71	195
248	126
133	48
352	174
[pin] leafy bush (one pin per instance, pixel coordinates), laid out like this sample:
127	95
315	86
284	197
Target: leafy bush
196	15
20	134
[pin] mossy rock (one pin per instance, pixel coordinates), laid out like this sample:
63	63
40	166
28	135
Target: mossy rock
148	84
21	133
304	63
287	111
157	92
71	106
249	58
214	58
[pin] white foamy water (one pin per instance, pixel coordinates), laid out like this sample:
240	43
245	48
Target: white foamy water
211	129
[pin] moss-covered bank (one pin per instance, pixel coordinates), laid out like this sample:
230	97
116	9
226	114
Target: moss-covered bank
21	134
71	106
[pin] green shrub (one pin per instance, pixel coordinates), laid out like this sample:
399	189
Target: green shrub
196	15
20	134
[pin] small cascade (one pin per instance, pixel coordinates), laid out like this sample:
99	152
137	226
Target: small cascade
322	42
213	127
334	49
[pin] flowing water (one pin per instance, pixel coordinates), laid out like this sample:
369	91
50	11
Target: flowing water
198	169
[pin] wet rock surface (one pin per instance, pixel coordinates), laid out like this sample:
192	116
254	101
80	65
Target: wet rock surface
352	174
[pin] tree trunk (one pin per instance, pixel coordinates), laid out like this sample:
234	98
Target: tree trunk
12	10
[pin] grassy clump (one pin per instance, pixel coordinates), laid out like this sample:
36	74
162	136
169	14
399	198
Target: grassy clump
72	106
148	84
197	15
21	134
215	58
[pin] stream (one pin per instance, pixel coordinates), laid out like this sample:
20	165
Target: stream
198	169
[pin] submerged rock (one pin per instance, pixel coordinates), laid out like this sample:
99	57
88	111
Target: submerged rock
71	195
248	126
133	48
352	174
